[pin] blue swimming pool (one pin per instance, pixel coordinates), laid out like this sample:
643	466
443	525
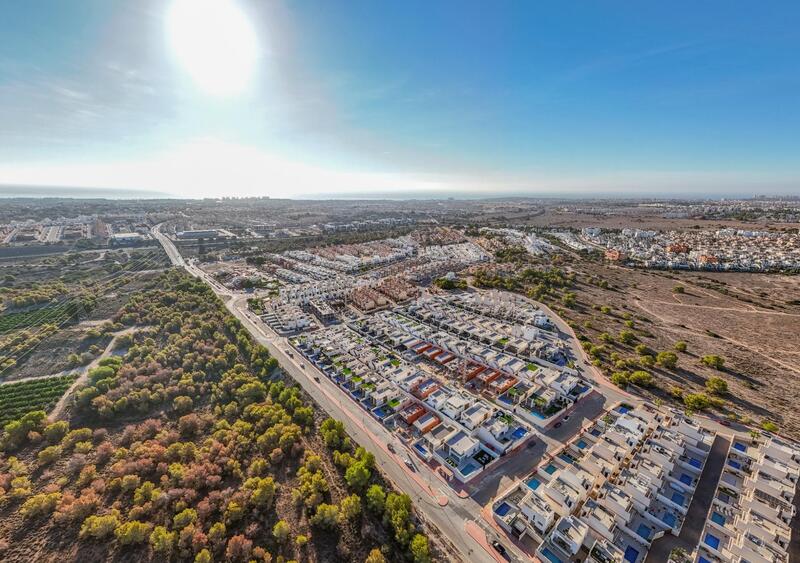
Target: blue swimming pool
550	469
678	498
566	458
685	479
711	540
581	444
595	432
644	530
669	519
631	554
718	518
533	483
537	414
623	409
469	469
739	446
694	462
550	556
734	464
421	449
519	433
503	509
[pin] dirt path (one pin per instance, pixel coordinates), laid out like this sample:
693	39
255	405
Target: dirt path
58	410
768	356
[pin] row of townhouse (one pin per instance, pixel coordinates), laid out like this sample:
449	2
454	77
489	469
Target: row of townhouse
501	305
624	482
754	504
440	423
522	340
285	317
535	393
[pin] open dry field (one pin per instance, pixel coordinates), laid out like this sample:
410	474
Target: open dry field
750	320
639	219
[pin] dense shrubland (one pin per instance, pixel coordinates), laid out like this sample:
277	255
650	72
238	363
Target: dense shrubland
193	447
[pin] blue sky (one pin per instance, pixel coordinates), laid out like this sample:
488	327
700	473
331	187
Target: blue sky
543	98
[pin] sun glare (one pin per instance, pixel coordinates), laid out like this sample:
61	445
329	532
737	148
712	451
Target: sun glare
214	43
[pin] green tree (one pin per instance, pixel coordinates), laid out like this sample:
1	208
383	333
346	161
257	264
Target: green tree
713	361
696	401
357	476
281	531
716	385
641	378
667	359
326	516
419	549
350	507
376	498
375	556
162	540
133	532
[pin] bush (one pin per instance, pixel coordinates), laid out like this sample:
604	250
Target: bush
99	527
40	504
626	336
696	401
281	531
769	426
162	540
357	476
56	431
375	556
376	498
182	404
133	532
419	549
326	516
667	359
679	289
620	378
716	385
713	361
204	556
350	507
184	518
49	455
641	378
680	346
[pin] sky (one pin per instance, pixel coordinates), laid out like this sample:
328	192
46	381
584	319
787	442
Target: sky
300	98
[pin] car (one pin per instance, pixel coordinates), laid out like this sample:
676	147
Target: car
316	378
531	444
498	547
302	366
725	422
410	463
390	447
566	418
557	425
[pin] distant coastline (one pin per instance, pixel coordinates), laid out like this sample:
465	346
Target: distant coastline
12	191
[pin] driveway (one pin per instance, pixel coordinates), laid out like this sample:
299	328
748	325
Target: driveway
698	510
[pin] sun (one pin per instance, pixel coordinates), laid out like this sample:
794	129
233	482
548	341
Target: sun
214	43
